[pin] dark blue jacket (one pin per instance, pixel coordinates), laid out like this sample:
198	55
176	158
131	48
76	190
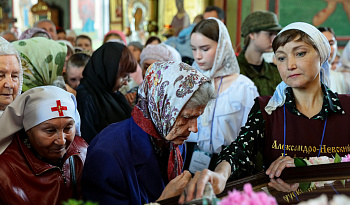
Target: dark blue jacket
121	166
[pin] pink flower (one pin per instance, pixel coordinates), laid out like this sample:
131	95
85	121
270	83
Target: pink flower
321	160
248	197
346	158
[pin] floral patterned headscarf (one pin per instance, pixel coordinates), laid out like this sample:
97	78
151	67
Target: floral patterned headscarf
166	89
42	60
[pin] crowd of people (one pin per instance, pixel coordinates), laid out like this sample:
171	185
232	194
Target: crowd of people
129	123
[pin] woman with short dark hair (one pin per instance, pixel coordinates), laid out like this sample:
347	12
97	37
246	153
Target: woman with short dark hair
301	119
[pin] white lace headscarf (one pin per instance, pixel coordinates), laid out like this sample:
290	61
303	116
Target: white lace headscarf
6	48
324	49
34	107
225	64
225	59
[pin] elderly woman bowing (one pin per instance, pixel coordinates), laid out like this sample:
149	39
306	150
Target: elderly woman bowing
11	76
143	156
42	156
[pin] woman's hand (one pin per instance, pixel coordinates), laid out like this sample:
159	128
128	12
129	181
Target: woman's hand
280	185
278	165
130	97
196	186
176	186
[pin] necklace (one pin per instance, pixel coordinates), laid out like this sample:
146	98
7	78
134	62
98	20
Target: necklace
284	132
212	121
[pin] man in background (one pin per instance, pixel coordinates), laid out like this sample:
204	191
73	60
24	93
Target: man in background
214	11
48	26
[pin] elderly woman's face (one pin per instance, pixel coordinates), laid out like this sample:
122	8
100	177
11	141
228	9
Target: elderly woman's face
9	79
146	64
186	122
52	138
298	63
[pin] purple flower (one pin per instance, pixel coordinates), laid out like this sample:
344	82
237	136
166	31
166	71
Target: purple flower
346	158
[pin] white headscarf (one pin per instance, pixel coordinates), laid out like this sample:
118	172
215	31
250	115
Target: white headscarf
225	63
324	49
34	107
6	48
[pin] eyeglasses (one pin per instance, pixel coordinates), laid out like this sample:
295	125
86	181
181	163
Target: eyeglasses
126	78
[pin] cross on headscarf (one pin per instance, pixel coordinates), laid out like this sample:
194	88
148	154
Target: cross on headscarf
59	108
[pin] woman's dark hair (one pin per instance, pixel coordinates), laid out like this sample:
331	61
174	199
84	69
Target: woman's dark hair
324	29
209	28
83	36
127	63
289	35
60	30
151	39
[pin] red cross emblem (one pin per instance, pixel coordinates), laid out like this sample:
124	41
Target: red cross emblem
59	108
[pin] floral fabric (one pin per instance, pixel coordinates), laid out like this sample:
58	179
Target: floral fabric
166	89
42	60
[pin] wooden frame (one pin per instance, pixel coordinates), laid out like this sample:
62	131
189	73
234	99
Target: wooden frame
116	11
325	172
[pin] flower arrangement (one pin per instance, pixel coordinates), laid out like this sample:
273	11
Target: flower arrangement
320	160
248	196
337	200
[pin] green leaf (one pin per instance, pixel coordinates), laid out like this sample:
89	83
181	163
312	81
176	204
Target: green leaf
299	162
304	186
343	182
337	158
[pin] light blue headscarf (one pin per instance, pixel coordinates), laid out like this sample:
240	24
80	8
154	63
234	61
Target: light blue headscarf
324	49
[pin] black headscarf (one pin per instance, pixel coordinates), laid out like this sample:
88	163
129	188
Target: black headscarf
100	75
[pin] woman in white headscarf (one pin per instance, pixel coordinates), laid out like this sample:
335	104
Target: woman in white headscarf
224	116
301	119
42	153
11	74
